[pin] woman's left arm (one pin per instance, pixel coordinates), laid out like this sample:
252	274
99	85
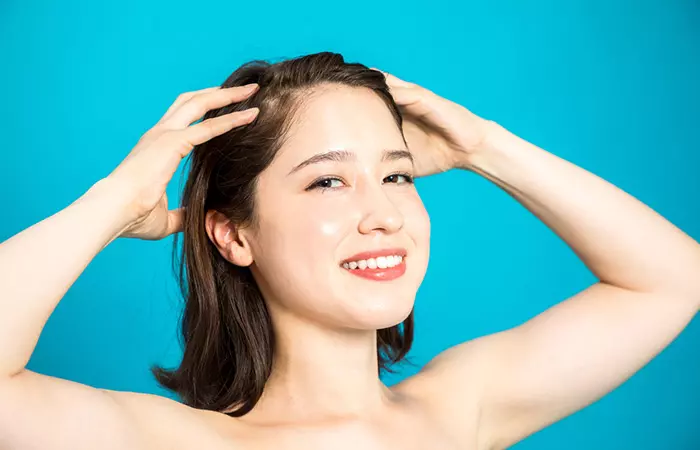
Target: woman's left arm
584	347
622	241
577	351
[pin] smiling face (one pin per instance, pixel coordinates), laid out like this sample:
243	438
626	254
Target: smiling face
317	212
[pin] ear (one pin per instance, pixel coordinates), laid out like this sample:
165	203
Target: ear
230	242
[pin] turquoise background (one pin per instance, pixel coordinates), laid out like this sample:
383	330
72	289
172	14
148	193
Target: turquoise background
612	86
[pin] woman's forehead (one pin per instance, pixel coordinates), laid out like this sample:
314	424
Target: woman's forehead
341	118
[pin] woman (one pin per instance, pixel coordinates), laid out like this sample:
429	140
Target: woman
305	242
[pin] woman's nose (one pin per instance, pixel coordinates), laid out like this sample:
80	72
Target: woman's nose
379	213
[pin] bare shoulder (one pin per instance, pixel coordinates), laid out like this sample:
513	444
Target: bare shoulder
40	411
450	387
167	423
143	404
463	365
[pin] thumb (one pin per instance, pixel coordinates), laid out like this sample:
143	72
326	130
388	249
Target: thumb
393	80
411	100
176	218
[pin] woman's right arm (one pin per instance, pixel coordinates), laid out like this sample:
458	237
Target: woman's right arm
40	264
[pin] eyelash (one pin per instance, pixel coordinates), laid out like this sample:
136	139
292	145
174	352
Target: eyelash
316	184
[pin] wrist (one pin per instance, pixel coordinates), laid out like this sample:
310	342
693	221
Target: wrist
493	137
471	154
109	203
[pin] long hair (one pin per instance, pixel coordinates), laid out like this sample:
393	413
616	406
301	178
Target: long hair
226	327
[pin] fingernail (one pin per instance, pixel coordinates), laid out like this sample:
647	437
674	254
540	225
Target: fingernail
251	86
252	112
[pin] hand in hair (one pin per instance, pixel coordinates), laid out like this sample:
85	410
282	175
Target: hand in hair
144	174
441	134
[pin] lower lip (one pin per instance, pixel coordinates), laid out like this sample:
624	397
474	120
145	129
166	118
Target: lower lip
390	273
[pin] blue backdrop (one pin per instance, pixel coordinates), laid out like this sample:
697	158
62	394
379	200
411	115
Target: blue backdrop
612	86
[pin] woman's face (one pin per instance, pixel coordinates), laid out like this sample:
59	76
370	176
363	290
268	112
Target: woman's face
316	213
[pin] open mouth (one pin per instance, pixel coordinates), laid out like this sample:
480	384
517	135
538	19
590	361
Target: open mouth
381	268
380	262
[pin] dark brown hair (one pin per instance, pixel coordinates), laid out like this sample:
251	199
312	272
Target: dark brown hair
228	335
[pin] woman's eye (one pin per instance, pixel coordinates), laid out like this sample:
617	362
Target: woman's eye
326	183
394	178
335	182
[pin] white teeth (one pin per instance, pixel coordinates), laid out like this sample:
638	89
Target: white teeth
381	262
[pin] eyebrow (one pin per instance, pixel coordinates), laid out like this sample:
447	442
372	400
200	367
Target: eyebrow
347	155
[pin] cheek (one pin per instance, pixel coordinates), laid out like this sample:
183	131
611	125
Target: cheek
321	226
310	235
424	225
299	256
326	223
417	227
416	219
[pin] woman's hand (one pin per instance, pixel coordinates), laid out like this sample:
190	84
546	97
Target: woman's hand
142	177
441	134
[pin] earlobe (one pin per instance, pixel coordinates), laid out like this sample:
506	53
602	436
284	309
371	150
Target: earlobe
239	250
227	239
239	254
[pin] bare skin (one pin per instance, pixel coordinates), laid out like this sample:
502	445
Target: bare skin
484	394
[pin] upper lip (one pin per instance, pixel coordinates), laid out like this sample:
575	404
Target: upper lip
375	254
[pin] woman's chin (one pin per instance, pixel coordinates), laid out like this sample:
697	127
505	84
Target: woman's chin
380	314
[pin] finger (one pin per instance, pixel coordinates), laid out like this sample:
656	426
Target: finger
182	98
176	218
194	108
393	80
405	96
410	100
216	126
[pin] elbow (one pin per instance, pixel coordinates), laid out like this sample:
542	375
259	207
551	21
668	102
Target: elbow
691	295
694	290
696	297
684	282
684	289
690	292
